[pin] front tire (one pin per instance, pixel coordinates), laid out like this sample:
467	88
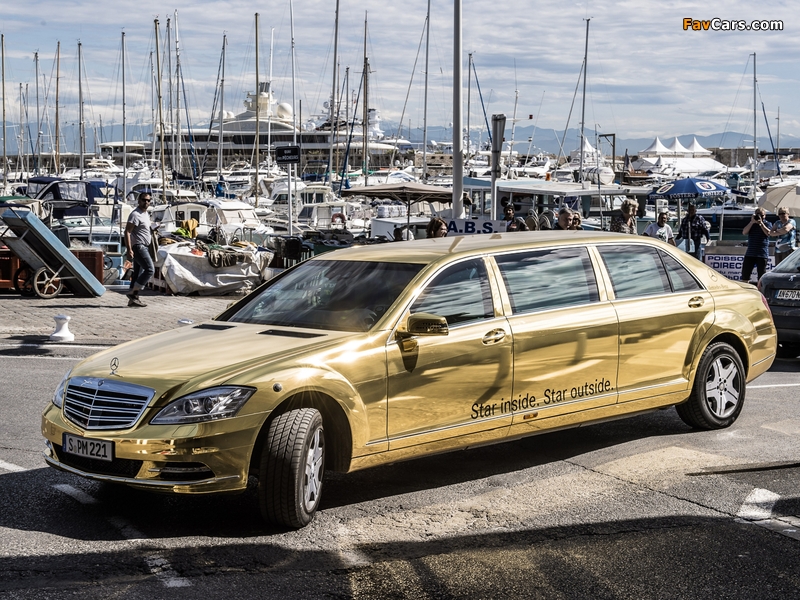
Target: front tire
718	392
292	468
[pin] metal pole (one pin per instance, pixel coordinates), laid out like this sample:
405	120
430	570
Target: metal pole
258	116
458	140
5	158
292	168
755	137
124	132
498	127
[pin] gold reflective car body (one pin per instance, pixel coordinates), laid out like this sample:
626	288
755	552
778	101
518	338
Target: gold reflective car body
408	349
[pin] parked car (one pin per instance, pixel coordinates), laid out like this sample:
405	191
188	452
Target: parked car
781	288
379	353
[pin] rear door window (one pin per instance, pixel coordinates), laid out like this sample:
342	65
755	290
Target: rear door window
635	271
547	279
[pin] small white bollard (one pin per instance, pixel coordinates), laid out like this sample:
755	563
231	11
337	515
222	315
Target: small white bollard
185	322
62	332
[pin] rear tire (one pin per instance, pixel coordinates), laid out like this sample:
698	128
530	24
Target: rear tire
718	391
292	468
788	350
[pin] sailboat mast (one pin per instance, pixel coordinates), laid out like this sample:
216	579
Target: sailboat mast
334	89
292	168
124	129
177	129
5	158
425	98
755	137
221	107
269	98
469	98
583	103
21	164
58	128
81	124
38	119
365	115
513	129
160	116
258	115
458	95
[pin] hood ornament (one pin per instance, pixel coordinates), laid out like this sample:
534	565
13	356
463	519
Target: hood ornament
114	366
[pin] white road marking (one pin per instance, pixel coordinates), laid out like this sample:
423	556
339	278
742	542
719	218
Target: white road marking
75	493
161	568
758	505
757	510
7	466
28	356
48	345
129	531
773	385
158	565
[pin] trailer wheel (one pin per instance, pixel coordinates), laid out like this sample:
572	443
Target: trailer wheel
47	284
23	281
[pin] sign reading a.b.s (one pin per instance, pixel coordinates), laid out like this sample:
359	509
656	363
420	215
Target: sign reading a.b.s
287	155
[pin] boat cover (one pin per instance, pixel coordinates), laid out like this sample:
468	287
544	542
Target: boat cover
52	252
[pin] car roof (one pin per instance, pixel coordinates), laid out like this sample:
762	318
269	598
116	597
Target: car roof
428	250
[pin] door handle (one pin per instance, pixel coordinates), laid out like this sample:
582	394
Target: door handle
696	302
494	336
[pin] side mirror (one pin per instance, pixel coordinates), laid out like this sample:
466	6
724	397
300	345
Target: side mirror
421	324
427	324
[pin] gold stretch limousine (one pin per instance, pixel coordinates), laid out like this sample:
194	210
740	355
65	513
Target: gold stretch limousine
387	352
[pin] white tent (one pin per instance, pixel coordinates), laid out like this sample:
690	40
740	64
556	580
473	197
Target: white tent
677	148
655	149
695	148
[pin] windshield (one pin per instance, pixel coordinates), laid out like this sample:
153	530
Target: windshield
328	294
790	264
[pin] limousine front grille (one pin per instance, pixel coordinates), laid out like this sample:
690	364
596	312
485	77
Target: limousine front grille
94	403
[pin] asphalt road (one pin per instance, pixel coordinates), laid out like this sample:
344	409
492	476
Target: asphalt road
635	508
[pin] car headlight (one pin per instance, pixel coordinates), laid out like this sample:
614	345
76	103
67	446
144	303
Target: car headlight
206	405
58	397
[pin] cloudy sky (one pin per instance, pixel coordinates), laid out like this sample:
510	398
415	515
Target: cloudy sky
647	76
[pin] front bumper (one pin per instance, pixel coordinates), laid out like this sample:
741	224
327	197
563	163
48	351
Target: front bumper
186	459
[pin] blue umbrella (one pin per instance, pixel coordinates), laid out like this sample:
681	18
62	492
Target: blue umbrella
690	187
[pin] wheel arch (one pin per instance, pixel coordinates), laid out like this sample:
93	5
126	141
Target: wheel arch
338	433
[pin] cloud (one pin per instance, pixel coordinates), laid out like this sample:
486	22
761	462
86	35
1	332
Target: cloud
645	73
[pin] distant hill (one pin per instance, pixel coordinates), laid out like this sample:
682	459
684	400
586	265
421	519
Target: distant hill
548	140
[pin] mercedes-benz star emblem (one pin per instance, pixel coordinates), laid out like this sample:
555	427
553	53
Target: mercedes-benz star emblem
114	365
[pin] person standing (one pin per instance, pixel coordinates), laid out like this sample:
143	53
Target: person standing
693	229
786	230
660	230
437	227
137	241
625	222
564	221
757	255
513	223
